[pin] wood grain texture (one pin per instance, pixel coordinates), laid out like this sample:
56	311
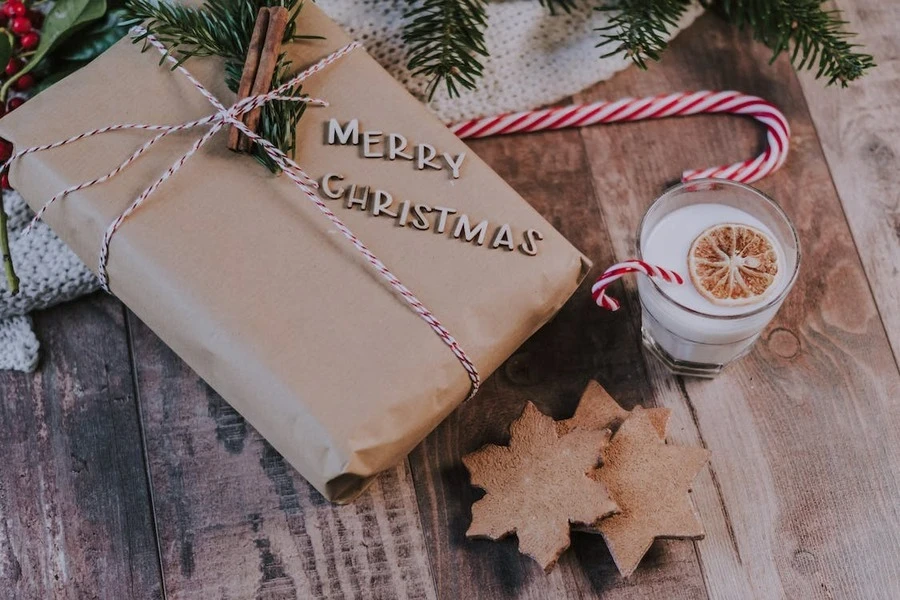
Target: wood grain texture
859	129
75	517
237	522
801	501
551	370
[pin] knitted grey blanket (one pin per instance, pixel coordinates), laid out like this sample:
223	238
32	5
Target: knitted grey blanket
49	273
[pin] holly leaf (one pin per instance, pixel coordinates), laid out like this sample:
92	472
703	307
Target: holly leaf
95	38
63	20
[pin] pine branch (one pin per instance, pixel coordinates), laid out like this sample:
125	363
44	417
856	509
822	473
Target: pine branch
639	28
223	28
565	6
445	39
816	35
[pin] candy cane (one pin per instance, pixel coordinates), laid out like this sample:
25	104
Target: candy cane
778	132
619	270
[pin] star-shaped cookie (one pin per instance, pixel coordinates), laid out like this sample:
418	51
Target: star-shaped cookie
538	485
650	481
597	410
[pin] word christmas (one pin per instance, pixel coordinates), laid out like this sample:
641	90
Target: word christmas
381	203
394	146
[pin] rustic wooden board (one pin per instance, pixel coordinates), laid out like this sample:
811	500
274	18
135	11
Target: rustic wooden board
236	521
75	517
859	129
801	497
801	501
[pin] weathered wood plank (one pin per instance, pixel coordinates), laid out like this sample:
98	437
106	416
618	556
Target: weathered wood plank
236	521
801	501
859	129
551	369
75	516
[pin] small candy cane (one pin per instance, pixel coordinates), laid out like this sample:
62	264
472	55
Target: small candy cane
629	266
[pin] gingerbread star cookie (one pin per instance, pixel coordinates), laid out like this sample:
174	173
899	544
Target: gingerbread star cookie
650	481
597	410
538	485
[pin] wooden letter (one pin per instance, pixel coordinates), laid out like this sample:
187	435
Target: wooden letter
381	202
529	246
404	214
353	200
326	187
343	136
424	158
455	164
464	228
421	221
503	237
396	146
370	138
442	219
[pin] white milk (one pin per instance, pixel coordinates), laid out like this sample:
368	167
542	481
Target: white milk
699	331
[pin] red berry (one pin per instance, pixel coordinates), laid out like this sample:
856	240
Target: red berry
4	182
14	103
13	8
30	40
12	67
25	82
6	150
20	25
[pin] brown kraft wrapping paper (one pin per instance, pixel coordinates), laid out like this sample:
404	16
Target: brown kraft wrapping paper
245	279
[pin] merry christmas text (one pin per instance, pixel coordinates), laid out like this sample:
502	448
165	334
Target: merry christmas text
423	217
391	146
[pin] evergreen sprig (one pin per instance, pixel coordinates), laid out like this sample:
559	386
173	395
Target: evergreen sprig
817	36
565	6
814	36
445	40
638	28
223	28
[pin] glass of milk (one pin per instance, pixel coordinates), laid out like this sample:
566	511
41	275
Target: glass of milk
689	333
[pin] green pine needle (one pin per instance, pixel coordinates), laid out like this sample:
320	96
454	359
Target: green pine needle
813	35
223	28
445	39
639	28
553	6
817	36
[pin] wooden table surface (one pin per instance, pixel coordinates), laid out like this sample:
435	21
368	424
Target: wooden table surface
124	476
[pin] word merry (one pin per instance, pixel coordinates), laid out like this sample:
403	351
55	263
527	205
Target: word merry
417	216
375	146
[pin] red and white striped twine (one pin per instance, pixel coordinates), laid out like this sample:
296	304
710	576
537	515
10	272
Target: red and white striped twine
778	132
232	116
598	290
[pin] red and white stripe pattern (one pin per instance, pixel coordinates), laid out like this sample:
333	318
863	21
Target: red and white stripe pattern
778	132
232	116
617	271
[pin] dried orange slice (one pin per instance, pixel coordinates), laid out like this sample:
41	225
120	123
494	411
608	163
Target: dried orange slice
733	264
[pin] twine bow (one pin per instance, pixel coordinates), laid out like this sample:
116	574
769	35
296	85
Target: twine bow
232	116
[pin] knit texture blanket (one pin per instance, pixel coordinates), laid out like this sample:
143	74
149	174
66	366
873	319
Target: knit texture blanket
535	59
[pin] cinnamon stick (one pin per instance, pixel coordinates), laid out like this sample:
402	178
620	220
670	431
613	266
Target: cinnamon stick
251	66
278	20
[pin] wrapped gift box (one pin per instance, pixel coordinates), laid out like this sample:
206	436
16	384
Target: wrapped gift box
244	278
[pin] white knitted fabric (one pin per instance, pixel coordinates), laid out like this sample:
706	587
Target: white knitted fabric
535	59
